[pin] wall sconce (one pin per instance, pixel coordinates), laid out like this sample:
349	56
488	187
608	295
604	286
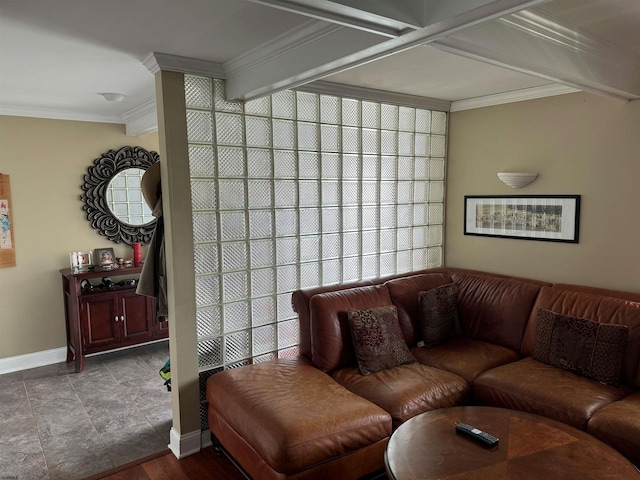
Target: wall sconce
517	179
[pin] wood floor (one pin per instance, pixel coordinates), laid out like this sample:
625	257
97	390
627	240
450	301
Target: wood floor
204	465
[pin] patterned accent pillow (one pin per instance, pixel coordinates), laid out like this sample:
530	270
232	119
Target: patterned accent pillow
438	314
584	347
377	339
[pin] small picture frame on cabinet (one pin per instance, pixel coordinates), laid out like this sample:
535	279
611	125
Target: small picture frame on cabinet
80	260
105	257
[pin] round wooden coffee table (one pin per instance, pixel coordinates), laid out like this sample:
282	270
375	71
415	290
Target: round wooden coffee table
531	448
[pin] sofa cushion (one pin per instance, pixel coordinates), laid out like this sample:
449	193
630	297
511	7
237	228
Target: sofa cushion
407	390
538	388
377	339
581	346
438	314
465	356
291	414
618	424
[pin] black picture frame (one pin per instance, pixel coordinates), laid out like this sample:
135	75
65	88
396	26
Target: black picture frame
549	218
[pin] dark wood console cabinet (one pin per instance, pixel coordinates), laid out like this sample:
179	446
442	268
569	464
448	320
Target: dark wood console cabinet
106	319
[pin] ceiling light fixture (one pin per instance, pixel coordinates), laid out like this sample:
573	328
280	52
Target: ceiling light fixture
113	97
517	179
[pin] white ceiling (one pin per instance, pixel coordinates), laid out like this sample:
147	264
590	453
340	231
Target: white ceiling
57	56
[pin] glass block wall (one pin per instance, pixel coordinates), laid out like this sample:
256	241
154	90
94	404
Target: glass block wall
297	190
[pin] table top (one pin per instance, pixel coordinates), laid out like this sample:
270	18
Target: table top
531	447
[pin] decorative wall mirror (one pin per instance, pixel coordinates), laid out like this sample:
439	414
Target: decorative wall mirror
113	198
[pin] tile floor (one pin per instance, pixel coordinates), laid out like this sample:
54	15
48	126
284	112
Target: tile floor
60	425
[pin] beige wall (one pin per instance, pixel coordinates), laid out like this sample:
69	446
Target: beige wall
46	161
579	144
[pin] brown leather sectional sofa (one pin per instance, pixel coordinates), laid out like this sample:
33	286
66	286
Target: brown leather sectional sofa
316	417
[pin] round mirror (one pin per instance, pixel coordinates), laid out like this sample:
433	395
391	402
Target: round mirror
113	198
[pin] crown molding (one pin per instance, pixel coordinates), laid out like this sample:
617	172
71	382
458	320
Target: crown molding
174	63
57	114
142	119
511	97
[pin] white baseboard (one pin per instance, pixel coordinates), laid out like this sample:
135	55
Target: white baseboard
33	360
205	438
184	445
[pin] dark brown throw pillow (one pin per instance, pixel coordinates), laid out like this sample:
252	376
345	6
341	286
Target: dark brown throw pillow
438	314
377	339
584	347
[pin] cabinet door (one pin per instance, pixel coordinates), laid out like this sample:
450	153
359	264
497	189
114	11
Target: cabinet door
98	315
136	310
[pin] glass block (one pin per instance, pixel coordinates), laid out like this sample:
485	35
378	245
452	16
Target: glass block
284	308
370	114
403	238
422	144
258	131
331	272
261	253
231	194
370	242
387	216
309	275
309	221
220	99
436	168
210	353
434	238
208	321
329	138
284	164
309	248
264	339
434	257
330	220
421	168
331	246
370	141
350	112
197	92
406	143
260	224
405	192
331	165
350	140
234	256
435	213
420	191
437	145
369	217
234	286
351	167
230	162
308	136
286	278
351	192
420	214
388	168
369	193
207	290
423	120
330	192
282	104
405	215
286	250
284	134
388	192
288	334
205	258
201	161
237	346
203	195
370	166
387	264
419	237
405	264
350	218
351	269
309	193
229	129
307	104
286	193
369	266
205	226
289	352
263	311
233	225
308	165
438	123
436	192
266	358
263	282
199	127
258	163
351	244
419	258
286	223
235	316
258	106
388	142
407	119
329	109
388	241
389	117
259	193
405	168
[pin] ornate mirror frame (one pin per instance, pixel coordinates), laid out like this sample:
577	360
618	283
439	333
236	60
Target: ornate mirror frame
96	181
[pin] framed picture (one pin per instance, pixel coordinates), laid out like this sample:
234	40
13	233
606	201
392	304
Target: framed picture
553	218
105	256
80	260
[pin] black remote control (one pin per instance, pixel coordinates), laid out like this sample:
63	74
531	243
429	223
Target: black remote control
482	437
